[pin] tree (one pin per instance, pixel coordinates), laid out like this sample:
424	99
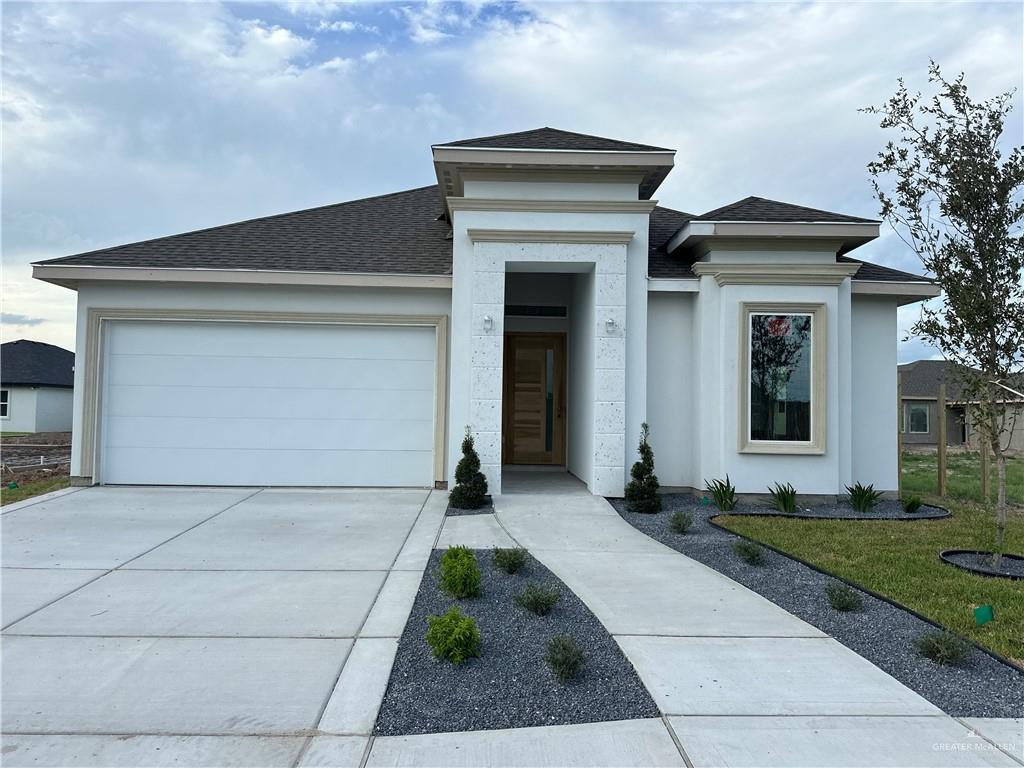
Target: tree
948	191
642	490
470	491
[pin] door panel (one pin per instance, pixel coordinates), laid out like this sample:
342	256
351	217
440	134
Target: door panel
207	403
533	423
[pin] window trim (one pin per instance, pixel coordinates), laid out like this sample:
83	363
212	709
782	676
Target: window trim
6	404
927	419
819	363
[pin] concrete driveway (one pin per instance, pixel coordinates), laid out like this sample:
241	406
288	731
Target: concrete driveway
209	626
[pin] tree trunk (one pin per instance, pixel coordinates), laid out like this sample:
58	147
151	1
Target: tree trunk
997	558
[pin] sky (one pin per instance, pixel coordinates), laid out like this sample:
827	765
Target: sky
127	121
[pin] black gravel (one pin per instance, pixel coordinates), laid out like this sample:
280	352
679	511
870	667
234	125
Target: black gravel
884	634
486	509
510	685
1010	566
889	509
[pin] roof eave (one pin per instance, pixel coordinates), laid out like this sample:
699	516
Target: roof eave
851	234
69	276
653	166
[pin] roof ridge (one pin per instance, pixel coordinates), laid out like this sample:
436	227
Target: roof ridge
240	222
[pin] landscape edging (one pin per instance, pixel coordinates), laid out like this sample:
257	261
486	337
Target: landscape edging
866	590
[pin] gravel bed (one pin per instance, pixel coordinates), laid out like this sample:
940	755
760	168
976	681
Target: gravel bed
887	509
486	509
880	632
510	685
1010	566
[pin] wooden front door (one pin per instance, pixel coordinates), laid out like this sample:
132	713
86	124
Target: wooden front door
533	399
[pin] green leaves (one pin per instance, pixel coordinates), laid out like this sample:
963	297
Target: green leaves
642	491
453	636
460	575
470	491
723	492
863	498
783	497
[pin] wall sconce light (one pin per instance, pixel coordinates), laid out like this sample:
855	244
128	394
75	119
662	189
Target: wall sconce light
488	322
609	324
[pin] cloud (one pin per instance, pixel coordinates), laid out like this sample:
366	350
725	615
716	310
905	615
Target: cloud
345	25
126	121
7	318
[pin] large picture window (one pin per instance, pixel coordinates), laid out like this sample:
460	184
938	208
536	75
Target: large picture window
782	381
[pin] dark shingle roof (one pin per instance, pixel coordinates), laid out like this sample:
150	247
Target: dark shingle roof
761	209
552	138
35	364
921	378
869	271
398	233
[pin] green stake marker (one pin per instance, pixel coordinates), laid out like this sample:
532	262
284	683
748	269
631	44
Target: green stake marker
983	614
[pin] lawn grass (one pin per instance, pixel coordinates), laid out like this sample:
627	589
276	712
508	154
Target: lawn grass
963	476
32	488
14	434
901	561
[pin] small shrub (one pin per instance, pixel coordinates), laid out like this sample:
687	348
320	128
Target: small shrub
460	575
749	552
942	647
681	522
723	493
912	504
565	657
863	498
453	636
843	597
537	599
783	497
510	560
470	491
642	490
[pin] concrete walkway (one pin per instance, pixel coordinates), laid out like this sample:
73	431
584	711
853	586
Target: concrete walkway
741	682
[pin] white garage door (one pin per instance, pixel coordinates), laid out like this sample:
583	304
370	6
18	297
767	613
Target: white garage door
211	403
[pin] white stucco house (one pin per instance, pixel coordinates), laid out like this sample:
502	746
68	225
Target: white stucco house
536	293
35	387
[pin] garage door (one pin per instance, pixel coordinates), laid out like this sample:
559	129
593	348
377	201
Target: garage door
216	403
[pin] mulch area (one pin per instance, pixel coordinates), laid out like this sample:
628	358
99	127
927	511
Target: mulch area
510	685
883	633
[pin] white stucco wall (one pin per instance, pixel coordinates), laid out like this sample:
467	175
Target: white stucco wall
671	394
873	380
243	298
38	409
580	443
54	407
21	410
719	371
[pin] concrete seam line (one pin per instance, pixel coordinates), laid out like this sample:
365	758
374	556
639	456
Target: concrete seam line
507	533
366	616
302	751
675	740
111	570
995	744
51	496
366	751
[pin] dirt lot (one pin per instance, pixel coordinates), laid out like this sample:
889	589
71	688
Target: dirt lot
19	452
40	448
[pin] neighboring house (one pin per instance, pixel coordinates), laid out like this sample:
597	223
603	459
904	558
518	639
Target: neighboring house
536	293
36	383
919	393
